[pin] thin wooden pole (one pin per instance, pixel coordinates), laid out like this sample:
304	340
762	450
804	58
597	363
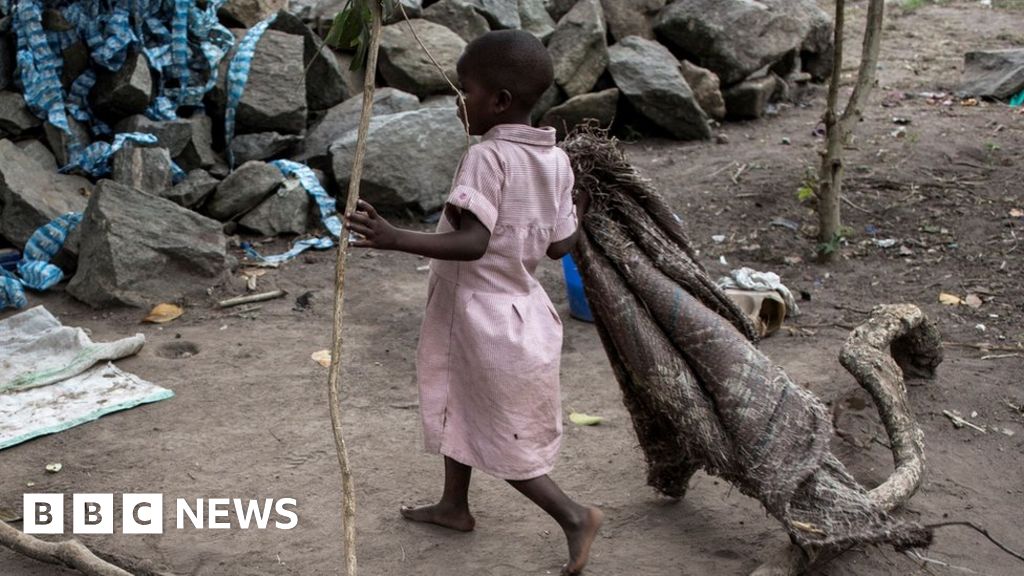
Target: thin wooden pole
334	377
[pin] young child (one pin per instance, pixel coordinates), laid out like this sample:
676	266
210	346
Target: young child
491	341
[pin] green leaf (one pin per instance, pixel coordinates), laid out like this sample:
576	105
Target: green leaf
805	193
581	419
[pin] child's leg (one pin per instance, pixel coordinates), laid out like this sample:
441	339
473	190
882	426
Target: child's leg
580	523
453	509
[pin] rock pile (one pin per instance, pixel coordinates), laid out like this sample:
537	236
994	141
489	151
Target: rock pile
673	67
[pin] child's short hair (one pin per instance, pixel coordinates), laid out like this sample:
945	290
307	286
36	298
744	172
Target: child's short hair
511	60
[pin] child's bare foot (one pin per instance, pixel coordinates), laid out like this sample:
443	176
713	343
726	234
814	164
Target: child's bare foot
441	515
580	538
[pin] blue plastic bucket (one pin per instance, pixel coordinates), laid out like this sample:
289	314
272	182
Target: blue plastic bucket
578	306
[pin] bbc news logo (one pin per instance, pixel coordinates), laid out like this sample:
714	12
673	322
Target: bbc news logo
144	513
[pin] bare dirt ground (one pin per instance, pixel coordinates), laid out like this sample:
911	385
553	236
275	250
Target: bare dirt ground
250	416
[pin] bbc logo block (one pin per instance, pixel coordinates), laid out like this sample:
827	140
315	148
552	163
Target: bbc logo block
93	513
144	513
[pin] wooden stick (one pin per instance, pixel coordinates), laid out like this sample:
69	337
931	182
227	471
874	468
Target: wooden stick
250	299
70	553
348	500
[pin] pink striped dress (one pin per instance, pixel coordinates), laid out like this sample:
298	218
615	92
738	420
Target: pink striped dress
491	342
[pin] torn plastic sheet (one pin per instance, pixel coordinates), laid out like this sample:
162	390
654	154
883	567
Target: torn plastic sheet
34	269
328	215
238	76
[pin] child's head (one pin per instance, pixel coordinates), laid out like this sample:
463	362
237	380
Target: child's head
503	74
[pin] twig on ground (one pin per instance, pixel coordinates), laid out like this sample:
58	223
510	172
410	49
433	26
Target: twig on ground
250	299
915	555
736	176
1000	356
960	422
983	531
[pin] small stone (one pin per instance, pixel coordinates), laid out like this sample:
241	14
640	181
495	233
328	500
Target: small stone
243	190
191	191
60	142
749	99
198	151
173	135
261	146
706	89
15	117
286	211
125	92
145	169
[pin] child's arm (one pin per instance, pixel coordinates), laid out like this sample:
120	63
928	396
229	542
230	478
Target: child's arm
467	243
559	249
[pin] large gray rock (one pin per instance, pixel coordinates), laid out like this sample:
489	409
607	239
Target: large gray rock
324	77
631	17
125	92
143	168
40	153
706	89
599	106
404	65
171	134
275	94
734	38
138	249
243	190
261	146
198	151
345	117
459	16
579	49
31	196
286	211
817	53
535	19
500	14
649	76
249	12
749	99
15	117
410	158
191	191
993	73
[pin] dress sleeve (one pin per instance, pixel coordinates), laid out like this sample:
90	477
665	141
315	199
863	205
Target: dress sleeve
565	223
478	185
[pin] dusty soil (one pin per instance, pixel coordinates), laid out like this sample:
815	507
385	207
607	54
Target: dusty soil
250	416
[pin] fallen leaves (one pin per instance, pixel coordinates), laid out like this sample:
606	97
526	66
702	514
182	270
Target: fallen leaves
971	300
581	419
322	357
163	313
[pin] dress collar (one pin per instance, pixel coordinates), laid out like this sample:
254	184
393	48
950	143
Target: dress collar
522	134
